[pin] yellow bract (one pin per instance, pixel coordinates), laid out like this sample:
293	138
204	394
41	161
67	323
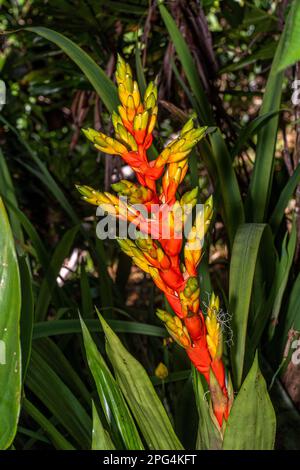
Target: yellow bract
214	331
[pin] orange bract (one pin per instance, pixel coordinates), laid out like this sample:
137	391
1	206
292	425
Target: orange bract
160	257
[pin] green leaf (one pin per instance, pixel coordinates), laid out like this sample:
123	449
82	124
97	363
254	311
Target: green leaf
58	440
51	390
27	313
140	395
233	211
43	174
208	437
7	191
188	64
104	87
283	200
61	252
10	351
34	237
54	357
291	319
290	52
139	70
112	400
107	299
101	439
281	277
252	423
87	306
242	268
64	327
265	52
249	130
262	176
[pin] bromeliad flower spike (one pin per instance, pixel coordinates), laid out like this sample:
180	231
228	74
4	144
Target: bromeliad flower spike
158	255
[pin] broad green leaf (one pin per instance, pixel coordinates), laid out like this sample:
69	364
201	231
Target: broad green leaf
61	252
284	197
111	398
104	87
58	440
290	52
208	437
10	351
140	395
252	423
242	268
101	439
51	390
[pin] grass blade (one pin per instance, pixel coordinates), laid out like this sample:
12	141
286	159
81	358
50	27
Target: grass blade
58	440
58	398
61	252
104	87
112	400
27	313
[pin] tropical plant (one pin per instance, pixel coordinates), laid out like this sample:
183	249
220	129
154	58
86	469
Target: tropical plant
229	66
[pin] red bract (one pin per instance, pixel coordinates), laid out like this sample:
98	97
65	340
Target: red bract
157	250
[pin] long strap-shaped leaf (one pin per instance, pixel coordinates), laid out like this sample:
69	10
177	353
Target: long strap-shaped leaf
113	403
232	201
242	268
100	438
61	252
56	437
139	392
102	84
291	47
51	390
10	354
285	195
262	176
